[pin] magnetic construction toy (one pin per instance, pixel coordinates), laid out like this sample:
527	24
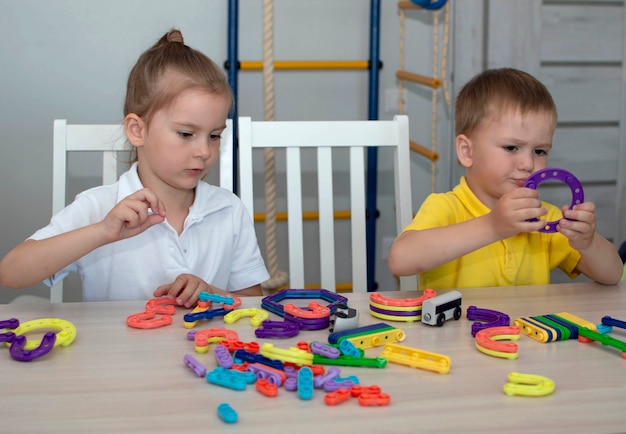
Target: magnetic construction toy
563	325
373	335
488	341
553	174
416	358
528	385
486	318
391	309
26	350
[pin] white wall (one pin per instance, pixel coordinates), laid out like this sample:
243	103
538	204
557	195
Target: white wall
70	59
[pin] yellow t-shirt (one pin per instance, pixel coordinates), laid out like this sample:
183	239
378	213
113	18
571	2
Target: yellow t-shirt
523	259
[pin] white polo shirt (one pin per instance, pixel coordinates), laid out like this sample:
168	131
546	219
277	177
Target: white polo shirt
218	244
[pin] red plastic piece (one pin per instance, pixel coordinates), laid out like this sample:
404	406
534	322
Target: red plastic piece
147	320
266	388
337	397
374	399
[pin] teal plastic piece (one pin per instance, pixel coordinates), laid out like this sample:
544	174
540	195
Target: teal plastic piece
227	413
305	383
230	379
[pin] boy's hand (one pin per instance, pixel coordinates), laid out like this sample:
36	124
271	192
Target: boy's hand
512	211
133	215
581	229
186	289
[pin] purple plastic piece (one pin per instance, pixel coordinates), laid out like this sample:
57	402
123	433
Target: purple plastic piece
554	174
194	365
490	318
263	373
223	356
191	335
276	329
334	385
325	350
12	323
319	380
291	383
19	353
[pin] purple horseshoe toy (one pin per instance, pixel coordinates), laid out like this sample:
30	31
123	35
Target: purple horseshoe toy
553	174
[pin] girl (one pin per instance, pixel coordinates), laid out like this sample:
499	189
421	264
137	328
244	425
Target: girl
160	230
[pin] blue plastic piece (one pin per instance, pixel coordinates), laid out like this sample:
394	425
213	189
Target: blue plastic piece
207	314
216	298
305	383
246	356
227	413
430	4
608	321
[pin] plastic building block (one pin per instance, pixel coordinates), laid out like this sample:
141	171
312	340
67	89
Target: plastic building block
246	356
264	372
486	318
11	324
319	380
334	384
305	383
357	390
201	337
201	307
227	413
257	316
378	339
223	357
535	330
528	385
308	323
65	332
487	341
266	388
376	297
416	358
293	355
337	397
194	365
272	302
554	174
374	399
230	379
325	350
335	337
276	329
148	320
315	310
366	362
19	353
347	348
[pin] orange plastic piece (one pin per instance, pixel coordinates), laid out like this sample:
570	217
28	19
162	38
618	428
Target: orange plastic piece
376	297
162	305
357	390
147	320
337	397
235	305
266	388
374	399
304	346
315	311
488	338
201	338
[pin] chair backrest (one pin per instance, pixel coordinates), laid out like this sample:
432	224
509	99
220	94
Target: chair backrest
109	140
324	137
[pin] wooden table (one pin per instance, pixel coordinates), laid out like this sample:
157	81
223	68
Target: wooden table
118	379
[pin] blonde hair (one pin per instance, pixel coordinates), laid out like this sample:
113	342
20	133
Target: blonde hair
497	90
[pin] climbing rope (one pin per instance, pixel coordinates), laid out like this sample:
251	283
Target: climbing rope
277	278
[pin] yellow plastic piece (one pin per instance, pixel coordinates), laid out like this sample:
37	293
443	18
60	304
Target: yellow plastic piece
578	321
257	316
494	353
65	331
416	358
377	339
410	318
292	355
528	385
532	330
192	324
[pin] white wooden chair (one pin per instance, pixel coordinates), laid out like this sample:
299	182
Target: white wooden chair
324	137
108	140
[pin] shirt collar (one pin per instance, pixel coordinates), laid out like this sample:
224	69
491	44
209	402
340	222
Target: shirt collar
209	198
469	199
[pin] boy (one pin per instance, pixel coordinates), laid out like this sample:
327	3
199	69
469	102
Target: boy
479	234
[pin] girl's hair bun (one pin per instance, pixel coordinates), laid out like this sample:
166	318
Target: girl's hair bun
175	36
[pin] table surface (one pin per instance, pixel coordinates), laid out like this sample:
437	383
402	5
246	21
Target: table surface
114	378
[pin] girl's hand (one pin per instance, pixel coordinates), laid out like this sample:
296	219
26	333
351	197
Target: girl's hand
581	229
186	289
133	215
